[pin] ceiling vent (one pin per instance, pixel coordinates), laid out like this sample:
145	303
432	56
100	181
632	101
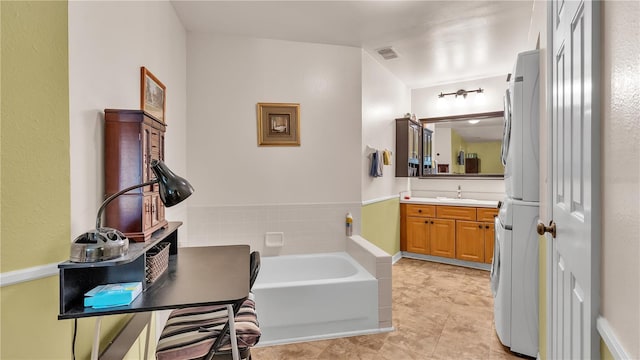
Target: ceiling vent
387	53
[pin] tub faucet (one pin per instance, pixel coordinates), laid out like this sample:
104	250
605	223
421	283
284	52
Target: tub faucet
459	192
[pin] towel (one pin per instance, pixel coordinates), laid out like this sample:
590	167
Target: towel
386	157
376	165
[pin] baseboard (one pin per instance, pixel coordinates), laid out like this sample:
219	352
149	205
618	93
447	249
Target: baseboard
325	337
610	339
396	257
469	264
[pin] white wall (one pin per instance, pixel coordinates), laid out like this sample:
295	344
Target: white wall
108	43
621	172
243	190
426	103
384	98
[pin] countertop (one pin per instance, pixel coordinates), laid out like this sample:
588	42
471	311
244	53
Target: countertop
450	202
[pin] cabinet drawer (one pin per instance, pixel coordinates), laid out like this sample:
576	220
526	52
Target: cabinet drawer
456	212
421	210
487	214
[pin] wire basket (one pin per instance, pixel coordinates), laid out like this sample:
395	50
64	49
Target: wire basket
157	261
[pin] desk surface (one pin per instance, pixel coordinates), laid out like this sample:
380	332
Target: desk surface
196	276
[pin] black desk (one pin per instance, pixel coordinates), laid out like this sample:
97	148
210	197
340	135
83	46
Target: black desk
196	276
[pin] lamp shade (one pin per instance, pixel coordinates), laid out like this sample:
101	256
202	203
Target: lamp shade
173	188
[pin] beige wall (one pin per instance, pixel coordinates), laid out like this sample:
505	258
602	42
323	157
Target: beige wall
35	183
35	175
381	225
621	172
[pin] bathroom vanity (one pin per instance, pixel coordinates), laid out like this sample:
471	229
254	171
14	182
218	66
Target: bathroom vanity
448	228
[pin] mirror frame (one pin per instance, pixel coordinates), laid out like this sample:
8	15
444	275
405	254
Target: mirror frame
463	117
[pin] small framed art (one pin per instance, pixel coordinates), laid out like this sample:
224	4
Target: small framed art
152	94
278	124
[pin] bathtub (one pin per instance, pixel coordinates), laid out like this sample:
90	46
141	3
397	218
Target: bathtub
314	296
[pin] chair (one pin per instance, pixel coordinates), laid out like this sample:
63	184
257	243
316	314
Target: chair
202	332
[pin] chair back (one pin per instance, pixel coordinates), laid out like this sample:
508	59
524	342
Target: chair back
254	268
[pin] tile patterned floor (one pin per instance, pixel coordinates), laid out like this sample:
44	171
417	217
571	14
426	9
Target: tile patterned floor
439	312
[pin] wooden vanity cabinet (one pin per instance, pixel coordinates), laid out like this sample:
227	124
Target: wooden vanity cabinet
475	239
486	216
464	233
443	239
489	241
133	139
425	234
470	241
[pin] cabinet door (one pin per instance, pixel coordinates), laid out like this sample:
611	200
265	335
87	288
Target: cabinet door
489	239
470	241
155	209
418	235
147	218
443	235
146	155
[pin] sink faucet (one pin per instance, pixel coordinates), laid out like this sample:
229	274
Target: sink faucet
459	192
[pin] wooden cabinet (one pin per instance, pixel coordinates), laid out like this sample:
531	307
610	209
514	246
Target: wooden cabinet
425	234
489	241
470	241
464	233
408	147
443	238
133	139
418	235
472	166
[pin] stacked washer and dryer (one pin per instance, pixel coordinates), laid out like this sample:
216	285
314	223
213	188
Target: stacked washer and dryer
514	272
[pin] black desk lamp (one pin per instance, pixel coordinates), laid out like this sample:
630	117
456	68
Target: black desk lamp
106	243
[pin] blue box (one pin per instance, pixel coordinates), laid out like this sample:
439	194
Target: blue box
109	295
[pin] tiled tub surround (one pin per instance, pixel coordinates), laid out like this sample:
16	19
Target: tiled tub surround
307	228
378	263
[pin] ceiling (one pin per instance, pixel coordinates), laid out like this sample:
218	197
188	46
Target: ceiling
437	42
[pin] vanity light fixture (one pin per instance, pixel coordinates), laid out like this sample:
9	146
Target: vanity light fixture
461	92
473	122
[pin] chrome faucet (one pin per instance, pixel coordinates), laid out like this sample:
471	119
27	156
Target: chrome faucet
459	192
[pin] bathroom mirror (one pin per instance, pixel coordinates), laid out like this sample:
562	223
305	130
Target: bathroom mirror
463	145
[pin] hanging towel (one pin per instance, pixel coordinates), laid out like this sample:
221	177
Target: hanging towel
386	157
375	170
379	163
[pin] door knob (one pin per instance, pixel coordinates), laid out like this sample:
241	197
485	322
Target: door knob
551	229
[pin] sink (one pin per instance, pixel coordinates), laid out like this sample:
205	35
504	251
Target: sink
456	199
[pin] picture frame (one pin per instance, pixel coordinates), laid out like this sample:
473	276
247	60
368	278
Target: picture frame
278	124
153	95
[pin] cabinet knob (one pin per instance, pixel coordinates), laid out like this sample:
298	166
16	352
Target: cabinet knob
419	210
487	227
426	221
479	226
432	222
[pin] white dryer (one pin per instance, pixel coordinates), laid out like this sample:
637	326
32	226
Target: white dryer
514	276
520	144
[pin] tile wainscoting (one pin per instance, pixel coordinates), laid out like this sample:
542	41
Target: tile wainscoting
307	228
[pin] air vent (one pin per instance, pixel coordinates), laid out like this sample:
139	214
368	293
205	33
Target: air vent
387	53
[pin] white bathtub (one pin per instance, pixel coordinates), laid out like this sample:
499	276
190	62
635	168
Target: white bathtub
314	296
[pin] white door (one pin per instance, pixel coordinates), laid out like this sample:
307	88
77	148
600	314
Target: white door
575	195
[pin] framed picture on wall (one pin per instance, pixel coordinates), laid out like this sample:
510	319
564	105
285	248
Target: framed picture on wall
152	94
278	124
